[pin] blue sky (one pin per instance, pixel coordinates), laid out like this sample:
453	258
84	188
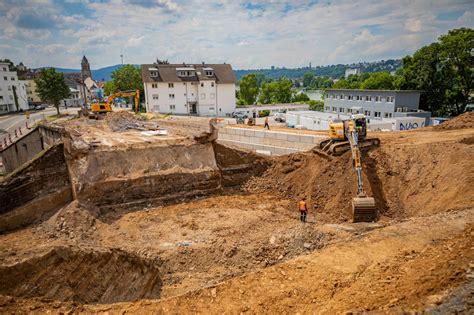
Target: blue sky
247	34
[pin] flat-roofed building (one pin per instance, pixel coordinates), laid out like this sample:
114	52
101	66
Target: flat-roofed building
374	103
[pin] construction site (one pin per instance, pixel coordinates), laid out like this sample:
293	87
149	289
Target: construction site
135	214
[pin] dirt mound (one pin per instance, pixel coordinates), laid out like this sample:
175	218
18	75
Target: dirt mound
404	180
74	221
327	183
84	276
462	121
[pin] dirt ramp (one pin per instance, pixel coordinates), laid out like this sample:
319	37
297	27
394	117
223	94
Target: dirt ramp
83	276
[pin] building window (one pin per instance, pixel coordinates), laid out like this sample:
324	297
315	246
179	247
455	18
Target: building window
203	96
341	110
334	109
377	98
367	113
13	78
388	115
202	84
208	73
153	74
212	84
390	99
1	97
155	96
367	98
9	88
377	114
4	69
326	108
171	96
171	85
341	97
172	107
5	78
154	85
213	96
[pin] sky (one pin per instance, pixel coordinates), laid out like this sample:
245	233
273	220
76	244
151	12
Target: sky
246	34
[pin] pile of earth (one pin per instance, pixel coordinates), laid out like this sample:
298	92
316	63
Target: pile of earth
405	180
462	121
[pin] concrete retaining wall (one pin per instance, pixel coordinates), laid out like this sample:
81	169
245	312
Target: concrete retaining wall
266	141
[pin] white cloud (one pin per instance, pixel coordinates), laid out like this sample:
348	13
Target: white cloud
268	33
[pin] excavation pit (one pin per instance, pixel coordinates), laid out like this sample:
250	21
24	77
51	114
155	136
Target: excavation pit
68	274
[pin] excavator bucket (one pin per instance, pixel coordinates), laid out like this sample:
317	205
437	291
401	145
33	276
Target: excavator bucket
364	209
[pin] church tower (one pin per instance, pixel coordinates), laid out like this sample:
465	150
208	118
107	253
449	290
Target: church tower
85	69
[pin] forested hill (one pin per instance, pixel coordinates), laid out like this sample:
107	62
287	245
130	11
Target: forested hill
333	71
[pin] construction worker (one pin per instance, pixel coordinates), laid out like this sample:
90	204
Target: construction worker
303	210
266	124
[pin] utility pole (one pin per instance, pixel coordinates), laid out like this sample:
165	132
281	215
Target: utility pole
121	56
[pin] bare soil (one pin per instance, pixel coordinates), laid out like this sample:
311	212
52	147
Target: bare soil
245	251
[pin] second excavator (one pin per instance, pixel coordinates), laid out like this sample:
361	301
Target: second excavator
102	108
351	135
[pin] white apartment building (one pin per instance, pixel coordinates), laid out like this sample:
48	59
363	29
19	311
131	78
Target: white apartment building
8	82
189	89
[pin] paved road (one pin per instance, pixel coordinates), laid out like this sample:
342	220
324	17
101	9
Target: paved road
8	123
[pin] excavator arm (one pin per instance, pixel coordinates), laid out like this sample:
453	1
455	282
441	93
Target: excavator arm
363	207
135	94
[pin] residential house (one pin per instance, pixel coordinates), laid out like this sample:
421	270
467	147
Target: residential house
350	71
9	84
189	89
32	95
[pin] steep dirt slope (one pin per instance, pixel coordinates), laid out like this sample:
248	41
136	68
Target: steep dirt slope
410	174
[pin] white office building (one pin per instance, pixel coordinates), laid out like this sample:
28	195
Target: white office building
189	89
8	83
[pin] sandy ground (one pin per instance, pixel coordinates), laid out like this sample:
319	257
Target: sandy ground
245	251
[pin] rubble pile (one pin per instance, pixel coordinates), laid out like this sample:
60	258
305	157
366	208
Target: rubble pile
123	120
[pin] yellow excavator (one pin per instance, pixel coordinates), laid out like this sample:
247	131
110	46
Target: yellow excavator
102	108
351	135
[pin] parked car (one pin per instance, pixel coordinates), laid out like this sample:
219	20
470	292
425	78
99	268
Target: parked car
239	115
39	107
279	117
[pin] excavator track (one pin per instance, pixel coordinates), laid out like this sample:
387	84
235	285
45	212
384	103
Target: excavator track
338	148
364	209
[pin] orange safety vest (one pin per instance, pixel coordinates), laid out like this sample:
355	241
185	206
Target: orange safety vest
302	205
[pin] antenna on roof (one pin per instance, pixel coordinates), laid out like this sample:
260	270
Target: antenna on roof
121	56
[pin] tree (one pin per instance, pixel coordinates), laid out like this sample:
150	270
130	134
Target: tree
261	78
109	88
283	90
300	97
457	59
249	89
308	78
444	71
51	86
379	81
316	105
126	78
280	91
